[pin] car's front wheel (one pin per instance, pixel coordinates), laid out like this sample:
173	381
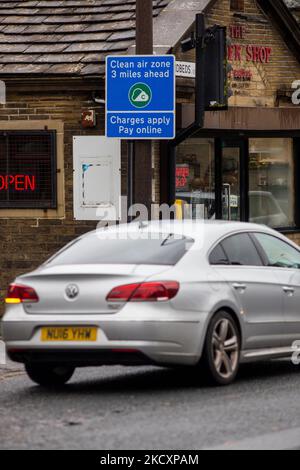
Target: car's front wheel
221	356
49	376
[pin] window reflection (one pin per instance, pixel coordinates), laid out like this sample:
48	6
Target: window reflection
195	178
271	182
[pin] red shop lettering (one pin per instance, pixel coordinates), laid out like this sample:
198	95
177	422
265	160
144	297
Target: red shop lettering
260	54
235	52
255	54
17	182
237	32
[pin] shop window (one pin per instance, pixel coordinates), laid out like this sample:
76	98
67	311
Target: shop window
271	182
195	178
27	170
237	5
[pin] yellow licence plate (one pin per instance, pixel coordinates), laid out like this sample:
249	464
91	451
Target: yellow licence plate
82	334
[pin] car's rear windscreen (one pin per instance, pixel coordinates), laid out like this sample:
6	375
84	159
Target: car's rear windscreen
154	249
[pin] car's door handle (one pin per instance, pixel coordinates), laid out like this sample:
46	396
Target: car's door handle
288	290
239	286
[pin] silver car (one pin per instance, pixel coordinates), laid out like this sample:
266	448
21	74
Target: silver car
209	295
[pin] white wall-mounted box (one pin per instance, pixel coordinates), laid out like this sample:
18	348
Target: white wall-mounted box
97	178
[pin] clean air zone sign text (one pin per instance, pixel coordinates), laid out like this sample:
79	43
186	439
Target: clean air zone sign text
140	97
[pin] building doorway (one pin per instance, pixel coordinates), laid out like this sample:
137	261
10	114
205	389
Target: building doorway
232	179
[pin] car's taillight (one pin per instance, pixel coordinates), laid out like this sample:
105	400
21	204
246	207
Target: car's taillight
17	293
144	292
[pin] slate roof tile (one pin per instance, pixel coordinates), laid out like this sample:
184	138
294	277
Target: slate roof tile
70	37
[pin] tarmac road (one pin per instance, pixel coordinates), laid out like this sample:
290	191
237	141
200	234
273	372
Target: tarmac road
150	408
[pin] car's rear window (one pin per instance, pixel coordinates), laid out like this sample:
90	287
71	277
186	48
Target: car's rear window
158	249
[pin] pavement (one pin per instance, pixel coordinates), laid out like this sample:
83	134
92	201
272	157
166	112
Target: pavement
115	408
10	369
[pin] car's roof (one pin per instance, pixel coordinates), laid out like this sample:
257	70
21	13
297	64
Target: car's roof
204	230
209	227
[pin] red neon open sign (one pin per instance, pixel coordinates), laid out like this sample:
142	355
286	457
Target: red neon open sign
17	182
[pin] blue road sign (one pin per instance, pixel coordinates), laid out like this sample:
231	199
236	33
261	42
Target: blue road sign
140	97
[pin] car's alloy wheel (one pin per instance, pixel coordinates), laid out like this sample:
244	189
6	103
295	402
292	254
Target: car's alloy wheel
49	376
222	349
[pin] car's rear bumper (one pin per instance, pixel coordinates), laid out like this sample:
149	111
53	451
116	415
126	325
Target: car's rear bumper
118	342
80	357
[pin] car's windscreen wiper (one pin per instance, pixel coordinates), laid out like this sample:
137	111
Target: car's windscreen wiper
171	235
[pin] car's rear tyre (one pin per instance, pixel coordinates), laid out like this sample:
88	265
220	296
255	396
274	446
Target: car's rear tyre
49	376
221	356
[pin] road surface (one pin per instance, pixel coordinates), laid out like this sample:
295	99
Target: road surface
151	408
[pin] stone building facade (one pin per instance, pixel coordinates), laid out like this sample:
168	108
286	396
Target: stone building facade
52	62
249	153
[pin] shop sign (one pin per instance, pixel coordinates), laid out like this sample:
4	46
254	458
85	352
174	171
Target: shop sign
254	54
182	175
241	74
185	69
20	182
249	53
234	201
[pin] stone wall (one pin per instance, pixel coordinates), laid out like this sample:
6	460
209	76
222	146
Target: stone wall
28	238
267	78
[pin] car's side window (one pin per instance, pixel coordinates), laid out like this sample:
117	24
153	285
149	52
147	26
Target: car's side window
218	256
241	251
279	253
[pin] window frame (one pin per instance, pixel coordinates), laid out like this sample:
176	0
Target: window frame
42	205
259	248
91	237
237	8
218	245
295	177
263	252
226	237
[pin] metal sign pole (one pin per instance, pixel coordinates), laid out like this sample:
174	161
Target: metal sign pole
130	172
200	71
143	149
140	106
